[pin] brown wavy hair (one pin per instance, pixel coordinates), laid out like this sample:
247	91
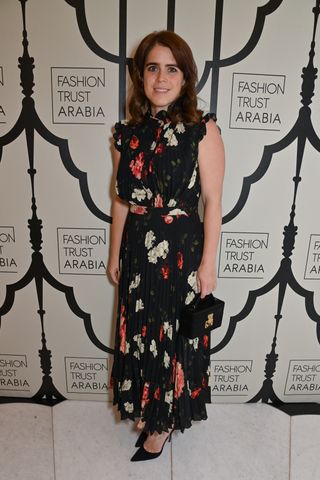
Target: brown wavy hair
185	107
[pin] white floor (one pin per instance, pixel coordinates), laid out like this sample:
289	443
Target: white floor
79	440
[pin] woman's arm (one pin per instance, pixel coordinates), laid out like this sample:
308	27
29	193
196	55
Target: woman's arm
119	211
211	168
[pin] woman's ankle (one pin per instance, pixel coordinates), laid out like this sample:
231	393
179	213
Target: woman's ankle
140	424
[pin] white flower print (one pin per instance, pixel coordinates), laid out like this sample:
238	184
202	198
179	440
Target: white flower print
135	282
167	328
139	305
136	353
153	348
192	280
168	133
153	145
188	387
177	211
139	194
171	203
190	297
163	248
169	398
128	407
194	342
160	250
127	347
177	324
137	338
171	138
193	178
152	255
166	360
126	384
149	193
149	239
180	127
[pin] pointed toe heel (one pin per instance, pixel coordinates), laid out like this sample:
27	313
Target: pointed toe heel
143	454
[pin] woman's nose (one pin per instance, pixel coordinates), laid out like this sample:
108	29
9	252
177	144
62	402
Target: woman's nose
162	75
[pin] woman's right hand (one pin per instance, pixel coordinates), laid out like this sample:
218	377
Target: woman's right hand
113	271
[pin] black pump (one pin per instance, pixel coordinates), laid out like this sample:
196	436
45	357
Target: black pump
143	454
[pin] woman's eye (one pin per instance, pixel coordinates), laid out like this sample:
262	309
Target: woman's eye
151	68
172	69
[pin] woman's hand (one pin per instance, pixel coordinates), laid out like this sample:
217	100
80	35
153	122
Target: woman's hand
206	278
113	270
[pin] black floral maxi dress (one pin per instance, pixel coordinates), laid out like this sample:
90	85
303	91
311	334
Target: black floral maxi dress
157	374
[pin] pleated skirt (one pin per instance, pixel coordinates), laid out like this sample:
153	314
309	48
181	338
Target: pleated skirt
157	374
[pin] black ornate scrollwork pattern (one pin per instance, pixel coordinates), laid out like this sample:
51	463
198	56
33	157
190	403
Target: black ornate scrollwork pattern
301	132
29	122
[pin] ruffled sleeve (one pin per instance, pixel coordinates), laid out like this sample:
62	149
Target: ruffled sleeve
118	134
203	124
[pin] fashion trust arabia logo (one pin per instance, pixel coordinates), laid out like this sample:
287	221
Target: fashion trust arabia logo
78	95
257	101
81	250
243	254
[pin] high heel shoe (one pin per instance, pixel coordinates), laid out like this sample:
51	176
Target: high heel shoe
142	437
143	454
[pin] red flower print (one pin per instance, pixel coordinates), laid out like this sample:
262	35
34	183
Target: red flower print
139	209
174	362
158	202
157	394
165	272
134	142
159	149
203	383
145	394
167	218
143	331
122	330
195	393
161	333
158	133
180	260
150	166
179	380
205	341
137	164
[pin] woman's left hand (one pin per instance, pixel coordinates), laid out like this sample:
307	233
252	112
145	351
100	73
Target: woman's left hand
206	279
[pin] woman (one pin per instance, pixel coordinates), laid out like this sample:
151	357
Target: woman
161	254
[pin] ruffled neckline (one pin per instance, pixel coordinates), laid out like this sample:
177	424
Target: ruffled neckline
160	117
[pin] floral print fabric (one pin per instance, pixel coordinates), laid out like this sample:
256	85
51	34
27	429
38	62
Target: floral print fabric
157	374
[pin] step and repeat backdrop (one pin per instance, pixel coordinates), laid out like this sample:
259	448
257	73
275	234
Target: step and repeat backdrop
63	82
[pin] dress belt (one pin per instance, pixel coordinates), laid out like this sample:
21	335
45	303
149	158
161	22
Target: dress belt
163	211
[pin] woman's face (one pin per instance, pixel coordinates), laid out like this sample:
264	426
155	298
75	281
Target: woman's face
162	78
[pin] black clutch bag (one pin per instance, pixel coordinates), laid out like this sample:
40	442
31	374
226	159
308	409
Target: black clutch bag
201	316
